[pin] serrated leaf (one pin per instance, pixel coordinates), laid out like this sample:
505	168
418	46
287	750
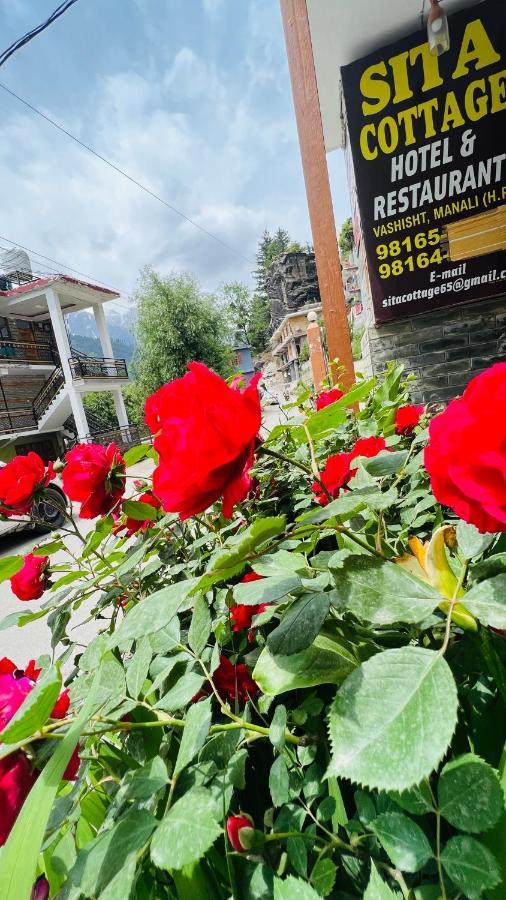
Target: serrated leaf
143	783
278	782
345	507
403	840
9	566
377	889
297	854
48	549
393	718
470	865
186	832
293	889
326	661
384	463
141	512
138	667
182	692
277	727
131	560
120	887
487	601
470	795
269	590
417	800
381	592
279	563
35	710
196	729
153	614
243	546
200	625
470	541
323	876
109	851
300	624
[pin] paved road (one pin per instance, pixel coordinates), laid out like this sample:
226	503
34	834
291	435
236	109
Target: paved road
31	641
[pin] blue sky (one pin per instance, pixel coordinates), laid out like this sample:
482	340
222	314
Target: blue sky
192	97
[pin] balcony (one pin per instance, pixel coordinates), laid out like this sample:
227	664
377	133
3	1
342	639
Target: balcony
122	437
28	352
90	367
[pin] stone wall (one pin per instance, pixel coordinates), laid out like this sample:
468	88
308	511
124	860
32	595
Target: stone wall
444	349
292	283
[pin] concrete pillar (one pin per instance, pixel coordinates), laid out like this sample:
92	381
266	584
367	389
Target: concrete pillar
119	405
103	331
316	354
63	345
76	402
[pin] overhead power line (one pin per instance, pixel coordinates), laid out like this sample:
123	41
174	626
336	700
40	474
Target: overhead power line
120	171
20	42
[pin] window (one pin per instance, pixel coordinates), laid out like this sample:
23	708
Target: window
5	332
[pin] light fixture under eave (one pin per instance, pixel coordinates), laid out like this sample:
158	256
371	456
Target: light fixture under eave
438	34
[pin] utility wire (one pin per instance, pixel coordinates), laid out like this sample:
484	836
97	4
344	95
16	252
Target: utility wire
20	42
130	178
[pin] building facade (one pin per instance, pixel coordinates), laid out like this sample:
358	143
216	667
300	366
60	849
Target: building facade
288	341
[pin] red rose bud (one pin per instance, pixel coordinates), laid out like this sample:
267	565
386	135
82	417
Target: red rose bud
94	476
22	481
206	433
327	397
31	581
239	830
16	781
407	418
40	890
466	453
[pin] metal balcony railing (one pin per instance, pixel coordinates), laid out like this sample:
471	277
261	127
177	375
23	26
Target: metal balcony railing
18	418
31	352
48	392
89	367
122	437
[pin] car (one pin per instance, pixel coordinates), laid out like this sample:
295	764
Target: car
50	511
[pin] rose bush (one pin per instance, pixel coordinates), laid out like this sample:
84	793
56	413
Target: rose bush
285	697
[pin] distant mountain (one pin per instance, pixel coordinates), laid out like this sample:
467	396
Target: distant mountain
91	346
83	333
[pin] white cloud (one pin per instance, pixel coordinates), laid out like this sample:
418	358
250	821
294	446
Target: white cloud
212	7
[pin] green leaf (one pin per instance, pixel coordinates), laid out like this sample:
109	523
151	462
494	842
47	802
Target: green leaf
393	718
134	454
182	692
277	727
47	549
487	568
403	840
131	560
470	865
25	839
299	625
470	795
241	548
380	592
141	512
387	462
487	601
120	887
144	783
377	889
153	613
138	667
9	566
196	729
267	591
323	876
278	782
21	618
417	801
297	854
345	507
326	661
293	889
279	563
329	418
35	710
101	860
471	542
200	625
186	832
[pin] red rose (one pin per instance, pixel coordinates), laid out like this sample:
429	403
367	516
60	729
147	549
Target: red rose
94	475
40	890
234	826
206	443
242	615
31	671
31	581
327	397
234	682
338	472
16	781
70	773
466	453
407	418
132	526
21	482
61	707
14	687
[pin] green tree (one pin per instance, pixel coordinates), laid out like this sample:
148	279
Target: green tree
176	323
248	313
269	247
100	411
346	241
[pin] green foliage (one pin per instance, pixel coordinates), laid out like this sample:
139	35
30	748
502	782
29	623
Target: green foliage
346	240
362	729
177	323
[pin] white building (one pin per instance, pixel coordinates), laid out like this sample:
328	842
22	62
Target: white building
42	378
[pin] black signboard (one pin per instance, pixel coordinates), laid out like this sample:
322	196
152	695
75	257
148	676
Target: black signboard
428	140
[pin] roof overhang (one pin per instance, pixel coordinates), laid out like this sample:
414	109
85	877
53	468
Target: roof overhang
343	31
29	300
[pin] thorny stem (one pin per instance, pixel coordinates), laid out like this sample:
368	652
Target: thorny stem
453	601
314	464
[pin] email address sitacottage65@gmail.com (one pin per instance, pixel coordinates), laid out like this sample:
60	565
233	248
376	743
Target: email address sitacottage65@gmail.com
453	286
